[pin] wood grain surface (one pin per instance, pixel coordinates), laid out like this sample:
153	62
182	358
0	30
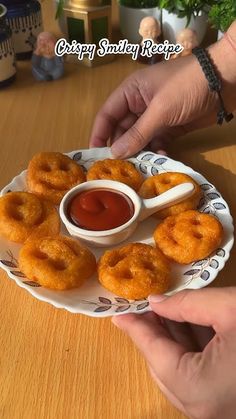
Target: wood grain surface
57	365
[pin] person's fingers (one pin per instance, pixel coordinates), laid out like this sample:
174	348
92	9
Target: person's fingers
200	123
206	306
123	126
114	110
182	333
140	134
166	391
155	342
156	144
165	135
202	335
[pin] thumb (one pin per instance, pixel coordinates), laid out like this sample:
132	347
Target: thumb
207	307
162	353
139	135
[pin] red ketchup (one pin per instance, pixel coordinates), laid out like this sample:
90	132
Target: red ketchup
100	209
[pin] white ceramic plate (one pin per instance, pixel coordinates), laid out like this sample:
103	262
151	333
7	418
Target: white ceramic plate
92	299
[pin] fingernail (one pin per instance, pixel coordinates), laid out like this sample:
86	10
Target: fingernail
162	152
119	149
156	298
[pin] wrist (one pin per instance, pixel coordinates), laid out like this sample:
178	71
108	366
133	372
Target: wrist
223	55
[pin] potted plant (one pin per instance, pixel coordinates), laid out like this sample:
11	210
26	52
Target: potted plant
222	14
179	14
132	12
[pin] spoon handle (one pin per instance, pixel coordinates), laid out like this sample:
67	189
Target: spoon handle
171	197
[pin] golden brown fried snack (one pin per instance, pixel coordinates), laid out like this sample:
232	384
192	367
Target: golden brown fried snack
51	175
189	236
58	263
24	215
156	185
114	169
134	271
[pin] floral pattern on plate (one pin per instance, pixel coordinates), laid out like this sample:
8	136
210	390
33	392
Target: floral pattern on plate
92	299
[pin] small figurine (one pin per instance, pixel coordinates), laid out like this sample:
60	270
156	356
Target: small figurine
188	39
46	66
149	28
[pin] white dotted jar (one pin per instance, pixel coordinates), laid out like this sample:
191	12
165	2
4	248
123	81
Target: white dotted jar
7	54
25	21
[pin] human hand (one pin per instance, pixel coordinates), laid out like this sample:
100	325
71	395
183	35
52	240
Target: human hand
163	101
194	367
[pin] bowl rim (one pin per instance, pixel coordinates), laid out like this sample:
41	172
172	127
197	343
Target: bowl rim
98	184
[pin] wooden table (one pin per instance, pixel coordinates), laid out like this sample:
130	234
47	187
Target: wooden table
55	364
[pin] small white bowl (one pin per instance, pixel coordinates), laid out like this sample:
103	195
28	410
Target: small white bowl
143	208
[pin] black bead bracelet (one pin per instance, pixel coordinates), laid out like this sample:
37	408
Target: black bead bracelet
214	82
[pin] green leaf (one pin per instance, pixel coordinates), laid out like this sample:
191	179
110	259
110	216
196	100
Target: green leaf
185	8
59	10
222	14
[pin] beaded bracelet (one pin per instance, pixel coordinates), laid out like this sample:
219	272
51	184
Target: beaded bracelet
214	82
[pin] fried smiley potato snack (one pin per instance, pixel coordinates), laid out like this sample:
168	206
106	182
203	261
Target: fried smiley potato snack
188	237
50	175
59	263
156	185
134	271
115	169
24	215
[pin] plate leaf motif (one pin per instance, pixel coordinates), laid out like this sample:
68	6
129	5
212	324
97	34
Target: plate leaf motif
8	263
77	156
207	210
160	161
213	195
214	263
18	273
219	206
121	309
154	171
202	202
101	309
143	168
142	305
220	252
205	275
104	300
32	284
122	300
206	186
147	157
192	272
200	262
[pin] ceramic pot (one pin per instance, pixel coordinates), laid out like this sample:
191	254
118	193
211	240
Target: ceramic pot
7	54
25	21
220	35
130	19
172	25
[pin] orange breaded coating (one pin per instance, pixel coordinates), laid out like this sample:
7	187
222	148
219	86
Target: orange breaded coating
24	215
188	237
156	185
59	263
50	175
114	169
134	271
